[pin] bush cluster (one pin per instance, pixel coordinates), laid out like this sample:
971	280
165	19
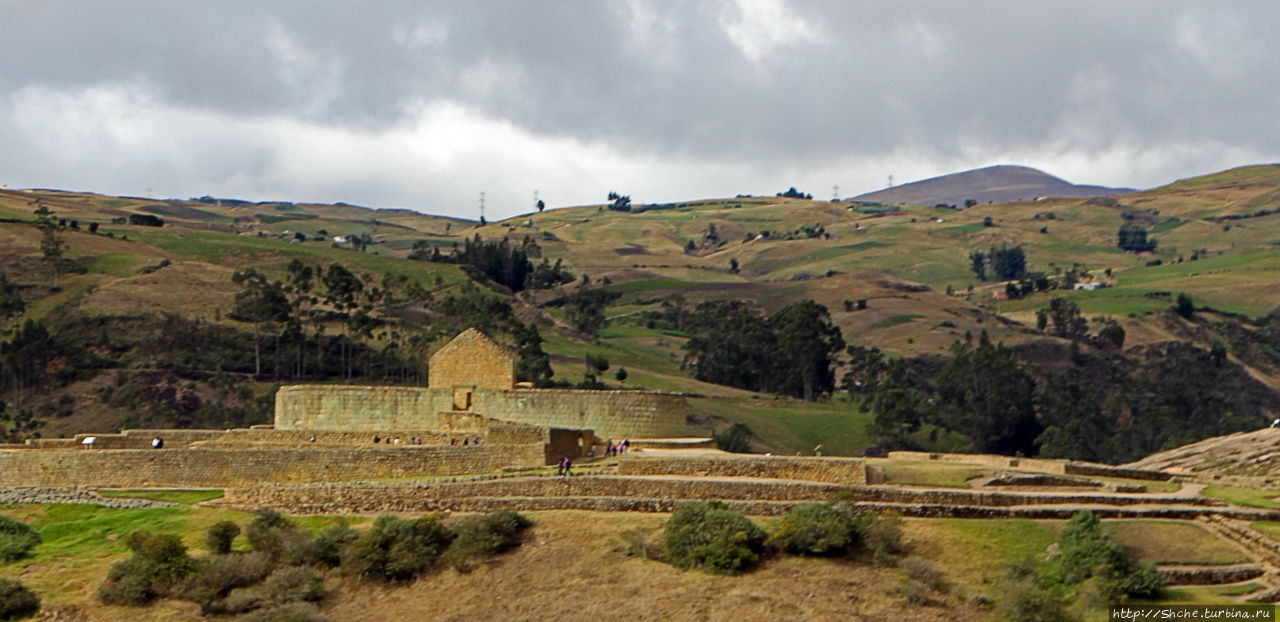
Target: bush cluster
158	568
16	601
396	549
819	529
489	534
709	536
16	539
280	576
1089	572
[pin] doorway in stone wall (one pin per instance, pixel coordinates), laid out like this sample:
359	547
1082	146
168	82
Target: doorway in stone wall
462	397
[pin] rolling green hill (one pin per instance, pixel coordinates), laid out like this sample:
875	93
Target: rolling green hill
894	277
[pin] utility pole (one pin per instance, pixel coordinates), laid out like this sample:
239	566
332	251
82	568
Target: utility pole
481	207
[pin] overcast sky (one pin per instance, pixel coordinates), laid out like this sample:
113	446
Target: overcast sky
424	105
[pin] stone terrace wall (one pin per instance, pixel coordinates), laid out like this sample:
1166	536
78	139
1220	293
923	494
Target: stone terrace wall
615	414
1063	467
325	438
241	467
661	494
988	460
358	408
141	439
1102	470
611	414
843	471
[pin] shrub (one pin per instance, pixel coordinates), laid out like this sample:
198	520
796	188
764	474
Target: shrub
490	534
710	536
16	601
288	584
220	536
1088	552
395	549
327	549
883	537
279	539
157	567
16	539
1022	596
735	439
923	583
223	574
640	543
817	529
293	584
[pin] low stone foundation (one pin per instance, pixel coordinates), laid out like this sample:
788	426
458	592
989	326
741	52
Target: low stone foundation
218	468
663	494
844	471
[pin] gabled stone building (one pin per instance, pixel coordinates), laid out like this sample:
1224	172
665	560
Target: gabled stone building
474	376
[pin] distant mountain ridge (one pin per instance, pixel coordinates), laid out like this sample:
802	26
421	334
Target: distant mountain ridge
992	184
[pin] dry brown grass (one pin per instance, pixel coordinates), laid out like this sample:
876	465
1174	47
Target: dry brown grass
568	568
188	288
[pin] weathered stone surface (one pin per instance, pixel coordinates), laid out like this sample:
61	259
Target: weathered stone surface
1210	575
473	360
20	495
846	471
244	467
765	497
616	414
473	376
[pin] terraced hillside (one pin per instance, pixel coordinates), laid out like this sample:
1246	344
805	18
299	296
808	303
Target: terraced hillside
895	277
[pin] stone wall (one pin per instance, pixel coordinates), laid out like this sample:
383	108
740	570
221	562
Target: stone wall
358	408
241	467
662	494
843	471
1102	470
611	414
987	460
472	360
1064	467
242	438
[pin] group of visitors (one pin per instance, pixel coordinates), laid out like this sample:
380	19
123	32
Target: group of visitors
618	449
465	441
413	440
565	465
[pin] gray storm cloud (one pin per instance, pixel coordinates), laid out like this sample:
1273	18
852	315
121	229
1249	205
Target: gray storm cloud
424	105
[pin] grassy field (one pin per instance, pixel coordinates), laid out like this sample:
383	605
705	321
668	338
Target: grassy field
185	497
975	550
1172	542
1243	496
795	427
915	473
